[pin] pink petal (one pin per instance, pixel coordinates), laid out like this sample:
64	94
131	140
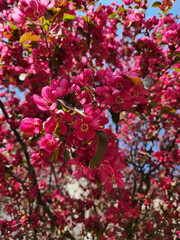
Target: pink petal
40	102
73	162
119	174
54	96
94	123
46	92
63	128
77	174
78	124
90	134
67	117
103	121
80	135
108	169
120	183
102	175
50	125
108	186
53	106
86	171
60	92
64	84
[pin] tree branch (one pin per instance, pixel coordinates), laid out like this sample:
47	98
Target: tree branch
30	166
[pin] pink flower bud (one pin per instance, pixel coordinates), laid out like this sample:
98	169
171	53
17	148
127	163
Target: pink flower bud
31	126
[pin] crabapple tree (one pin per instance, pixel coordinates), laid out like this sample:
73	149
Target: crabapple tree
89	120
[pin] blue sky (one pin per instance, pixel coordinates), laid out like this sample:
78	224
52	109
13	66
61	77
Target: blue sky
150	11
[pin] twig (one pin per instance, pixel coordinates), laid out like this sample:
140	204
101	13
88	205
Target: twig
30	166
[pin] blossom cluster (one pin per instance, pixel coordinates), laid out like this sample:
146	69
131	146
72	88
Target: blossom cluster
89	120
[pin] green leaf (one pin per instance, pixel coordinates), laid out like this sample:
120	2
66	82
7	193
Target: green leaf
176	60
83	89
83	33
156	4
153	104
14	27
167	109
69	97
176	69
98	229
137	7
74	155
75	106
68	17
50	13
86	19
66	155
52	228
55	155
113	15
32	26
115	116
101	148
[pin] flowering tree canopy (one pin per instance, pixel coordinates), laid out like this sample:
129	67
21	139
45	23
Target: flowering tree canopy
89	120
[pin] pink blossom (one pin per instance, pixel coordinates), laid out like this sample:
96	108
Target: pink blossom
128	2
119	82
47	102
117	163
103	171
138	95
42	184
61	87
80	169
120	100
33	9
118	179
18	17
58	118
48	142
103	93
85	129
108	185
31	126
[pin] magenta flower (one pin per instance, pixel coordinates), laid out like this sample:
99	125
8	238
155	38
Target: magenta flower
80	169
120	100
51	123
61	87
31	126
86	129
103	93
118	179
49	143
120	83
58	118
33	9
108	185
18	17
48	100
103	172
118	161
138	95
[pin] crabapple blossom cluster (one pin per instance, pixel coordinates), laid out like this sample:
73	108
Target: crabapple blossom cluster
82	128
32	9
89	120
